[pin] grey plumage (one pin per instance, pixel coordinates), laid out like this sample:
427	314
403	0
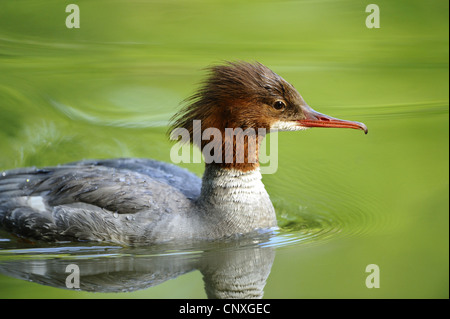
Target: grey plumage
112	200
132	201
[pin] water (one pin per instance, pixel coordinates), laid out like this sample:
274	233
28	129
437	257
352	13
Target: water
344	200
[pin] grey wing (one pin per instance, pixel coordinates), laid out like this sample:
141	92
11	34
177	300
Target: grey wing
183	180
58	202
122	185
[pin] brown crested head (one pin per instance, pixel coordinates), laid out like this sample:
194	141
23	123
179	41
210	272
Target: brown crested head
239	95
243	95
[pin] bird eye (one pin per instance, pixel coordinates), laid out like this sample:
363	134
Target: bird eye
278	105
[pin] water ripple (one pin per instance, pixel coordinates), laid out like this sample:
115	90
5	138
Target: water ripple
396	110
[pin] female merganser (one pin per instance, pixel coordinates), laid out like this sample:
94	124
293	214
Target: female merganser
141	201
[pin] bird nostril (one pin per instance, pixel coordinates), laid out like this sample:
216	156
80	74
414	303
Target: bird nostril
324	119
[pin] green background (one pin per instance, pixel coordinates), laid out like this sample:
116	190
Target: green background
108	88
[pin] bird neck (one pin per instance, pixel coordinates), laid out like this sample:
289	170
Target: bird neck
232	149
236	200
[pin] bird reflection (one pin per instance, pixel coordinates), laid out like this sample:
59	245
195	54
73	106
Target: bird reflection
234	269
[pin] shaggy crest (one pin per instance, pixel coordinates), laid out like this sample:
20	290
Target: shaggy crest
240	84
234	95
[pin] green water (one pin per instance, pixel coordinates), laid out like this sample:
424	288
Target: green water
344	200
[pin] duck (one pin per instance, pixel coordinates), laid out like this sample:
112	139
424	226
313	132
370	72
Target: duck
132	201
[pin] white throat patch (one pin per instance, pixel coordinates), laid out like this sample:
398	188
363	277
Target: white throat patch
286	126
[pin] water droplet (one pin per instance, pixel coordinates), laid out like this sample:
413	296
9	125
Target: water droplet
116	215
